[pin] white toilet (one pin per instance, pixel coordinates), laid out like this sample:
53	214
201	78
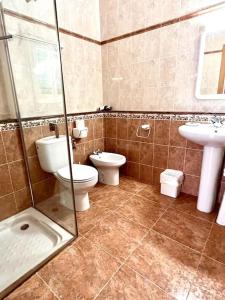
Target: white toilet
53	158
108	165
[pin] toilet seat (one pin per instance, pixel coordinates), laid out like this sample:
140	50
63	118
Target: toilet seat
81	173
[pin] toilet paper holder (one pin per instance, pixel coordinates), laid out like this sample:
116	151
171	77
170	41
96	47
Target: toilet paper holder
143	127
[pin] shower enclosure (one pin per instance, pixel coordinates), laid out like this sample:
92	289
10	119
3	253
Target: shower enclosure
33	102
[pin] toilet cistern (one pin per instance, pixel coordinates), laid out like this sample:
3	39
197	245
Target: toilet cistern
212	137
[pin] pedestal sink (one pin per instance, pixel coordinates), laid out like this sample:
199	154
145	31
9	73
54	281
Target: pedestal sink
213	140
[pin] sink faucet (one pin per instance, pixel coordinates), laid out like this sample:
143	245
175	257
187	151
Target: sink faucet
216	121
97	152
54	127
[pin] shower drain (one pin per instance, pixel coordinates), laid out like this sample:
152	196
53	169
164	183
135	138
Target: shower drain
24	227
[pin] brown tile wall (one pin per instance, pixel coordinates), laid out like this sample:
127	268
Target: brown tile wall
94	140
148	157
14	191
14	194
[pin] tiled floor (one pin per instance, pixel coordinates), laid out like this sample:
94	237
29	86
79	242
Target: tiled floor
136	244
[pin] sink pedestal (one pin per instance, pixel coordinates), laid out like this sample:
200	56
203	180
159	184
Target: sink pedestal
211	167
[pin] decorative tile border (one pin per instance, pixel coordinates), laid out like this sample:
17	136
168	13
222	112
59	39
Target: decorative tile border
6	126
192	117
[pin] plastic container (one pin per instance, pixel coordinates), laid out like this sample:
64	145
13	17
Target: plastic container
171	182
221	215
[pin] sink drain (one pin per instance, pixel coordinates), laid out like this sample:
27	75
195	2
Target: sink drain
24	227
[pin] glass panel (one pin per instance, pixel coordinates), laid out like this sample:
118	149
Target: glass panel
35	61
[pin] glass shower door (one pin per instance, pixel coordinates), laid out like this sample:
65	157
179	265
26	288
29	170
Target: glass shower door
35	61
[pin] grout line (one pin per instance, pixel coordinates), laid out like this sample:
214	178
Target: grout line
45	283
202	254
124	262
10	177
168	152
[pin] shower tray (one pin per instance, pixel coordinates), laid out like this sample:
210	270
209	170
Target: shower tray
27	240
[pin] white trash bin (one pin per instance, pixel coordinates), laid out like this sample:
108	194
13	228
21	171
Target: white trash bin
171	181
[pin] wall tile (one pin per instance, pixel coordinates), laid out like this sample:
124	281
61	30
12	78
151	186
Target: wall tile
193	162
12	144
156	175
99	144
2	151
146	154
133	151
162	131
191	185
36	172
121	129
110	145
45	189
79	154
176	158
46	131
133	124
8	207
175	138
160	156
193	145
5	181
23	199
30	136
110	128
146	174
133	170
18	175
122	147
98	128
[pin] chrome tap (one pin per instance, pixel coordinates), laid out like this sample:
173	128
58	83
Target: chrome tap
216	121
97	152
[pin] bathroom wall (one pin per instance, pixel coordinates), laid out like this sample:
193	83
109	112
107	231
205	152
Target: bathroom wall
156	69
14	191
79	48
14	194
147	157
93	142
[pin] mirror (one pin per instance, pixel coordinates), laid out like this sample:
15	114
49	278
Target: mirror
211	69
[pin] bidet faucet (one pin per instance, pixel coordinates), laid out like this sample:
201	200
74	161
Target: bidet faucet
216	121
97	152
54	127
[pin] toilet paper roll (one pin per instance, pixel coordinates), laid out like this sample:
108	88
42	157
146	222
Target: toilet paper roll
80	124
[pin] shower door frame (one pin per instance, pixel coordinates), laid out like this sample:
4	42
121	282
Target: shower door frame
4	39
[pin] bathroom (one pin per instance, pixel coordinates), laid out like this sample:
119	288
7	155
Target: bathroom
112	137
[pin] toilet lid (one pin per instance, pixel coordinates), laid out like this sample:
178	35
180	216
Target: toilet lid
81	173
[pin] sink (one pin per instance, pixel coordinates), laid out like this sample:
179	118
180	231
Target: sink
213	140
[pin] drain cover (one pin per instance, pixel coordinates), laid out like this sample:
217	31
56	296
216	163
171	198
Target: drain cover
24	227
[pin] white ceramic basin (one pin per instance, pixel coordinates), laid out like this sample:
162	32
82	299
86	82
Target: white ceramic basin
204	134
213	140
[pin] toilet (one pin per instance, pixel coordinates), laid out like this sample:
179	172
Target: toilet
53	157
108	165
